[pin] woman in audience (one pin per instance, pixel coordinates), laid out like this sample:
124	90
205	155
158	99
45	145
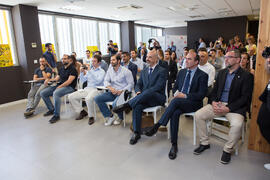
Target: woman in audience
76	64
174	56
230	45
251	44
160	54
237	42
211	46
220	43
245	63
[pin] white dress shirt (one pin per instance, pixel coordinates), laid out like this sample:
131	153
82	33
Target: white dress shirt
210	70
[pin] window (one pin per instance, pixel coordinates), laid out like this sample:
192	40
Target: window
46	29
63	36
114	33
103	37
143	34
84	34
8	56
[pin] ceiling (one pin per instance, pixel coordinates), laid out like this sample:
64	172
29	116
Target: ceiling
169	13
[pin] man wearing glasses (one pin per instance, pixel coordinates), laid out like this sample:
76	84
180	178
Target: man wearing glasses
231	97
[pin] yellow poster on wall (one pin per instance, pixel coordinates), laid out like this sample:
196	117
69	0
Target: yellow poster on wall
44	49
5	56
92	49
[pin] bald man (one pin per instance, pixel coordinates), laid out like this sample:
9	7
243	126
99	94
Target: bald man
150	91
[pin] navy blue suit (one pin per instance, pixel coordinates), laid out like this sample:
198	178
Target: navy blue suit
133	68
193	102
152	88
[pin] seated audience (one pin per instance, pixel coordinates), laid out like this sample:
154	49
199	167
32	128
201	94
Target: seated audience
202	43
206	67
237	43
231	98
182	60
111	48
87	60
245	63
230	46
189	90
220	55
103	63
135	60
66	83
41	73
118	79
94	77
129	65
216	62
220	43
143	54
76	64
149	92
172	70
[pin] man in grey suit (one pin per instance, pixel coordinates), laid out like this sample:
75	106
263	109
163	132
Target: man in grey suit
150	91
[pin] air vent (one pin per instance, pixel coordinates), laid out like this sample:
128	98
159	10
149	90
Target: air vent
129	7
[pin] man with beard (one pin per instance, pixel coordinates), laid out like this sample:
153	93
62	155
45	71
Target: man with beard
264	113
231	97
66	83
150	91
118	79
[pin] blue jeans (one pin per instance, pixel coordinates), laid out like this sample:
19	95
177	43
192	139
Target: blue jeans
101	102
57	94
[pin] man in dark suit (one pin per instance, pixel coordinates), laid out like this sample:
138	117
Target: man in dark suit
172	68
231	97
129	65
189	90
149	92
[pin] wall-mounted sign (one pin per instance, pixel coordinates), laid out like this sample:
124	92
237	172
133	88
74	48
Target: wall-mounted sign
5	56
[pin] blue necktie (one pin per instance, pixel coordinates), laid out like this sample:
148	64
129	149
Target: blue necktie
186	83
151	69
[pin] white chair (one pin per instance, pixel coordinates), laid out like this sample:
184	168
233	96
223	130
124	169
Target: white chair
156	108
223	118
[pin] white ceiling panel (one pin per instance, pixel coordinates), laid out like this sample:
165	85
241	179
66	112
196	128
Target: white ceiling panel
169	13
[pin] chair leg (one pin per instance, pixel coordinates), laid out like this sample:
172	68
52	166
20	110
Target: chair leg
65	101
124	114
169	130
243	132
155	118
194	131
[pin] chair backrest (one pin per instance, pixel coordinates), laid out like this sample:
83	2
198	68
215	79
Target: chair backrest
166	93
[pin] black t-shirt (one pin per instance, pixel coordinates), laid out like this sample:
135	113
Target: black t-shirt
64	74
38	72
112	51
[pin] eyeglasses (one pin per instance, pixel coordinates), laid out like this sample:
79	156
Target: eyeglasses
229	57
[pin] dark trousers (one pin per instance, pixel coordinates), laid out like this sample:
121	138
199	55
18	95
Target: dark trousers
177	107
140	102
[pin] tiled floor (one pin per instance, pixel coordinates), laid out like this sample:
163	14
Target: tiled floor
33	149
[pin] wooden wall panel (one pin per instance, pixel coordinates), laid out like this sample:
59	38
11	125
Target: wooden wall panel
256	141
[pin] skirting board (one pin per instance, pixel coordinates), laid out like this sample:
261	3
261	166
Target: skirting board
13	103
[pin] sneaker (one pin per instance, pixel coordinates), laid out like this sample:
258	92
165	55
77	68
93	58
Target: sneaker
267	166
110	121
29	112
225	158
117	121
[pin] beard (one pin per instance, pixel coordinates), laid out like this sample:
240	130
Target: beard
65	64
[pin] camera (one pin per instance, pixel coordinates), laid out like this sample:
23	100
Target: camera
153	44
266	52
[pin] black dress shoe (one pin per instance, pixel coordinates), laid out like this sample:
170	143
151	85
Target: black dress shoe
54	119
200	149
225	158
150	131
121	108
173	152
48	113
91	121
82	114
135	137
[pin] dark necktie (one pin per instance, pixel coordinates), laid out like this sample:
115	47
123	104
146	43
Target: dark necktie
150	72
186	83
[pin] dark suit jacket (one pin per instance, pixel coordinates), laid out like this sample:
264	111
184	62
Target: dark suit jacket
198	87
165	65
172	71
155	83
240	91
133	68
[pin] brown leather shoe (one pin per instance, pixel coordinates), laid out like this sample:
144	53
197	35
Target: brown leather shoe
83	113
91	121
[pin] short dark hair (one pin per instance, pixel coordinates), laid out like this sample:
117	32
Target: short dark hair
126	53
87	51
98	57
99	52
134	51
117	56
213	50
197	57
237	53
245	53
202	49
186	49
48	44
110	40
169	51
